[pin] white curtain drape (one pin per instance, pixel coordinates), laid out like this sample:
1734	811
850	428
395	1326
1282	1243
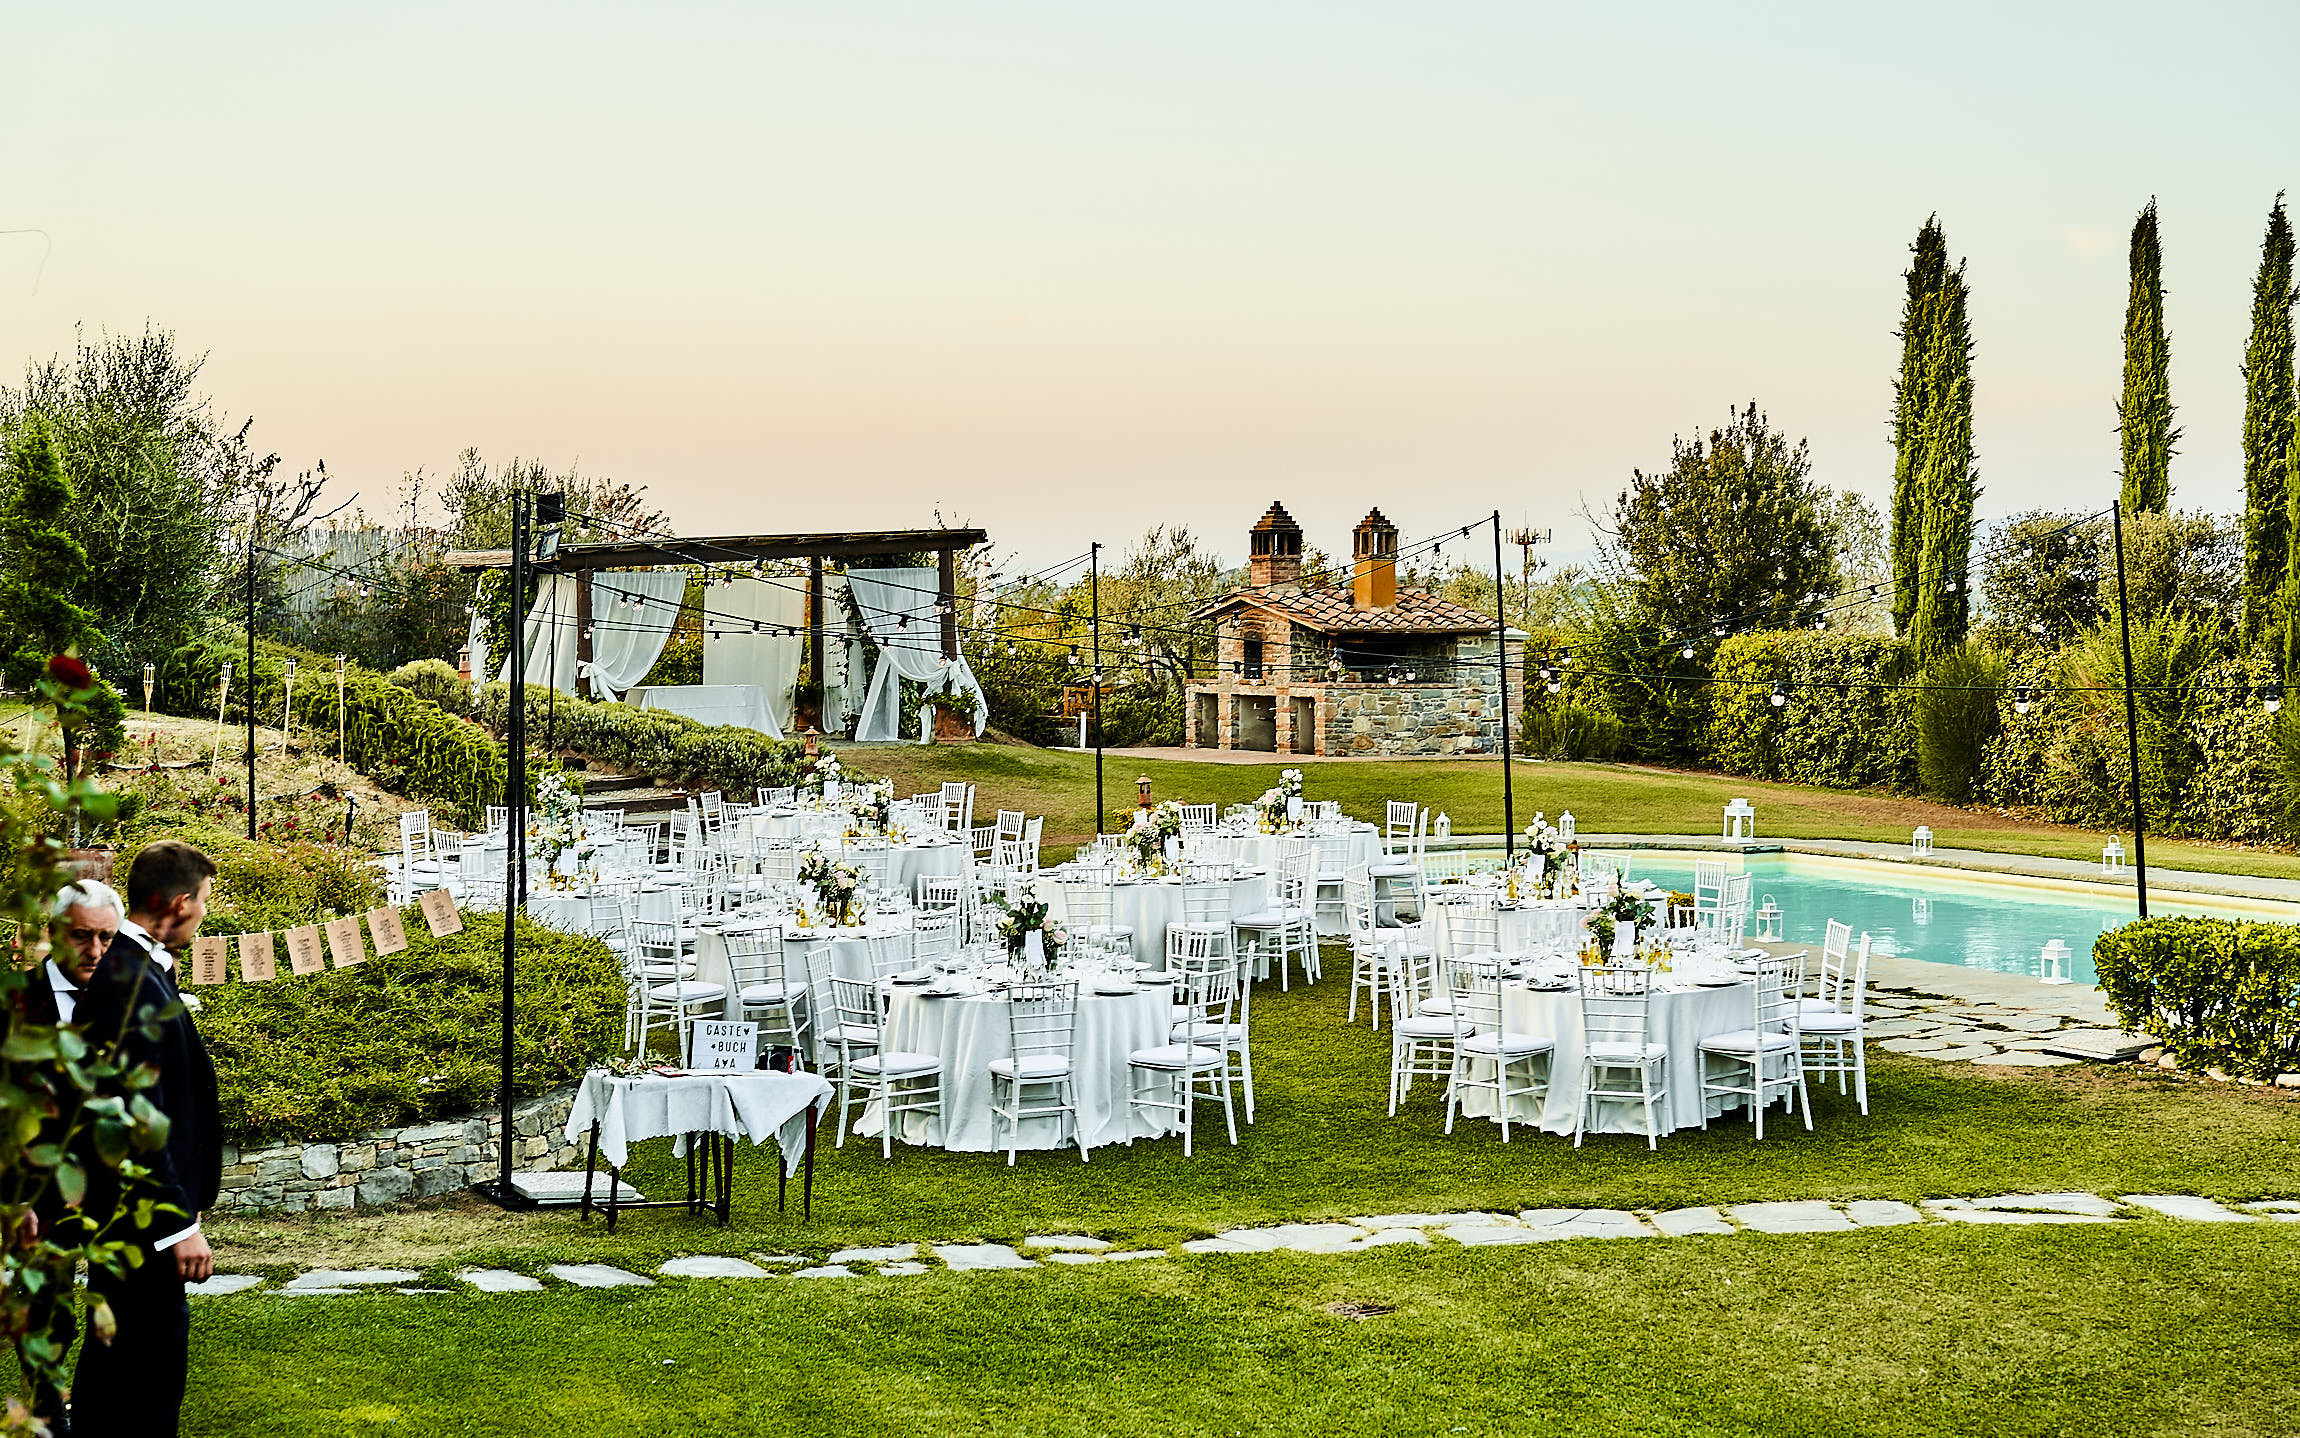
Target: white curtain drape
632	615
754	632
898	612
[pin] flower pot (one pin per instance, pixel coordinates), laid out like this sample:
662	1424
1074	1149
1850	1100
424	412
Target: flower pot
952	728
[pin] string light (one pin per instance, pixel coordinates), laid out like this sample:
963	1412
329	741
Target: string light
1778	698
2023	696
2272	697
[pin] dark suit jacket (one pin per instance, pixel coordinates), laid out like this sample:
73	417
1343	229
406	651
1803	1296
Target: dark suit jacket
188	1171
40	999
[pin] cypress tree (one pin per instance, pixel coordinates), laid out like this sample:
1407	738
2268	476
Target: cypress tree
1928	271
1948	488
2267	425
2144	413
40	562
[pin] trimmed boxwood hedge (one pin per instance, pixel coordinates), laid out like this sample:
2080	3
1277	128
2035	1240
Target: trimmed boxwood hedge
2218	993
1842	726
408	1037
650	741
402	741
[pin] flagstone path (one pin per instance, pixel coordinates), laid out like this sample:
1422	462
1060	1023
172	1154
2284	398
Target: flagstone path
1954	1031
1354	1235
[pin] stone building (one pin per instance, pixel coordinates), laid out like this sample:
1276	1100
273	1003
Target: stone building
1359	667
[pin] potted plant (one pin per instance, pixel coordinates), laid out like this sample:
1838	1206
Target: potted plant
953	716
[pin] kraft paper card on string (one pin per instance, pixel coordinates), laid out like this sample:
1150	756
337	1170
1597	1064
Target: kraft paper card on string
389	931
439	911
256	965
208	955
306	953
344	942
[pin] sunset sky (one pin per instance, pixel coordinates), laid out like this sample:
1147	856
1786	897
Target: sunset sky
1070	270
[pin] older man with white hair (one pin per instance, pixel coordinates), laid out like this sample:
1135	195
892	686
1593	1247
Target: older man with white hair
86	917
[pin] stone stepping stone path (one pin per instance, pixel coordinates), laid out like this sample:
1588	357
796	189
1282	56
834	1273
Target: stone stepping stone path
1039	1252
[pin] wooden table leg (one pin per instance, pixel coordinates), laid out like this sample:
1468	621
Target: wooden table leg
614	1194
726	1180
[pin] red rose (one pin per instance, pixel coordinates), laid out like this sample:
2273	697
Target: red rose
70	672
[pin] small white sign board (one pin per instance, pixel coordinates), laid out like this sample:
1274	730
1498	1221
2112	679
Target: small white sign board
717	1046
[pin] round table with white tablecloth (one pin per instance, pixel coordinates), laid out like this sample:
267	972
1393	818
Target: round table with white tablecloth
569	911
1532	926
1148	905
1680	1016
918	855
968	1032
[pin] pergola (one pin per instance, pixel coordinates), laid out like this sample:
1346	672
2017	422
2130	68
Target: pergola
583	560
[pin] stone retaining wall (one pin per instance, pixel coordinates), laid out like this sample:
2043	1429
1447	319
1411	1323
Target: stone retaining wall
391	1165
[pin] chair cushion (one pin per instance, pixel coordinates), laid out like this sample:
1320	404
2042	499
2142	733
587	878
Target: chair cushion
1438	1027
1513	1045
687	991
1435	1008
1037	1066
1271	918
1176	1057
1829	1023
1810	1007
899	1065
1390	868
1747	1041
1230	1035
1618	1053
770	993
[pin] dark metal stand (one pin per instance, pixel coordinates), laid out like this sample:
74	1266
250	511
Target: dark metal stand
710	1177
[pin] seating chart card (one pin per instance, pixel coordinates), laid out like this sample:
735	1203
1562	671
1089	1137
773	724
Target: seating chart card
389	932
306	953
344	942
208	958
440	913
256	964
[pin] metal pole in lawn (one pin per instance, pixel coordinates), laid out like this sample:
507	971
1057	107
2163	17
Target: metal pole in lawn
2131	717
515	799
1501	663
251	699
1094	584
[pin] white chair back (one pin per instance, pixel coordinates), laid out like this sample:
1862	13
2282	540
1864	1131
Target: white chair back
1616	1007
1398	827
1197	818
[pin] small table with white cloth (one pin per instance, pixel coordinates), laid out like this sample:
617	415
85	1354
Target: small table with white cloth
705	1113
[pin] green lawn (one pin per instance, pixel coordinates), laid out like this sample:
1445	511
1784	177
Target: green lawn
1604	798
2147	1329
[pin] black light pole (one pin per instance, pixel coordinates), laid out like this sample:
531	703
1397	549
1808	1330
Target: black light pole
515	837
2131	717
1094	586
1501	663
250	700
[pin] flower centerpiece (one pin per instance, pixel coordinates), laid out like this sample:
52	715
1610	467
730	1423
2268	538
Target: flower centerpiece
818	774
556	825
1031	940
1152	830
872	804
1543	841
835	882
1616	923
1281	803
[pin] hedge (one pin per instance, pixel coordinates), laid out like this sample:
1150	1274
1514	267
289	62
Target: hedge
405	743
650	741
407	1037
1842	725
2218	993
266	885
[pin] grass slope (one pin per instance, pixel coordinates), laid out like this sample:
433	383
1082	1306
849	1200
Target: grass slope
1605	798
2150	1329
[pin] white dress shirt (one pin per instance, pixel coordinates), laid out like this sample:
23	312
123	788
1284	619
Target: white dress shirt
67	992
159	955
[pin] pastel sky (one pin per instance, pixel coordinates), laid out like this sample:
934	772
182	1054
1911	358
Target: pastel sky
1070	270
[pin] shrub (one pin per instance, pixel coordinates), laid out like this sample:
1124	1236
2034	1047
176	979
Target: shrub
650	741
1843	725
1566	728
435	680
1956	718
406	1037
271	884
405	743
2217	992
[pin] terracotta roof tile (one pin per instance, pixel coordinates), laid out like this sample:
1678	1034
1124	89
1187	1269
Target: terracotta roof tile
1329	610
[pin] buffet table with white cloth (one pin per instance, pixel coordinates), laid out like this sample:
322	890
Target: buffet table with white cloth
1148	905
1680	1016
968	1031
741	705
613	1113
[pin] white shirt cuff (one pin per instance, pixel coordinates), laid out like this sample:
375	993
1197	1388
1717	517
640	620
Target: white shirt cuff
173	1240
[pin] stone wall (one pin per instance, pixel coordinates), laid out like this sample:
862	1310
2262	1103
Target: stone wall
1410	719
391	1165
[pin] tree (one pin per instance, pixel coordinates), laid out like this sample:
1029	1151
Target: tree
2144	414
2042	580
1942	580
2268	402
1927	275
41	565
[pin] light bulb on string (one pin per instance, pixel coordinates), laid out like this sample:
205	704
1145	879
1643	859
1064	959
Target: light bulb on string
2023	696
2272	697
1778	698
1687	651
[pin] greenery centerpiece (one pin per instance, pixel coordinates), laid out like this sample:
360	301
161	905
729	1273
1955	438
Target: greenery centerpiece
557	826
817	774
1627	906
836	883
1149	832
1281	801
1031	939
872	804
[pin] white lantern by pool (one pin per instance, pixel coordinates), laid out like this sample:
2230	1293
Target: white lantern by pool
1740	822
2112	857
1443	828
1565	825
1769	921
2056	963
1921	842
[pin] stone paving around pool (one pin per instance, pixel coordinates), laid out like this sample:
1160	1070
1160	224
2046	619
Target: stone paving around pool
1353	1235
1954	1031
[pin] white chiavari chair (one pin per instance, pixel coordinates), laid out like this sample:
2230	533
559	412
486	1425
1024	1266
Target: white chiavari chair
1768	1054
1272	935
1331	857
662	975
957	807
1831	1025
1090	909
1421	1028
1480	1039
767	993
1616	1022
885	1076
1041	1028
1194	1064
1197	818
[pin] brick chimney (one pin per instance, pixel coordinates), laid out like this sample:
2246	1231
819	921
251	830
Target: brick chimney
1374	549
1274	551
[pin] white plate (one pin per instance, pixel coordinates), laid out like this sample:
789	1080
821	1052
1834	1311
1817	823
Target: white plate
1115	991
942	991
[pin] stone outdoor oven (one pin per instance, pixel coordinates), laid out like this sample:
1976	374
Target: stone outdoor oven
1360	667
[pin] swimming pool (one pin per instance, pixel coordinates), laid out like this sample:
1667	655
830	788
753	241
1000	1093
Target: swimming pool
1938	915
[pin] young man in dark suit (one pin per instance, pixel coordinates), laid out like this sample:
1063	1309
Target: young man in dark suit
135	1383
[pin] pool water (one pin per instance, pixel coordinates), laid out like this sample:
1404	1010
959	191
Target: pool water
1934	915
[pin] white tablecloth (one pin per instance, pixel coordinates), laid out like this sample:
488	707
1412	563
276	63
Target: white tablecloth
1537	925
570	913
1679	1019
850	958
968	1033
757	1104
742	705
929	854
1148	905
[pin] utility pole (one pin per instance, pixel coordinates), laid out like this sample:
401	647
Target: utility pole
1525	540
1501	666
2131	717
515	839
1094	585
